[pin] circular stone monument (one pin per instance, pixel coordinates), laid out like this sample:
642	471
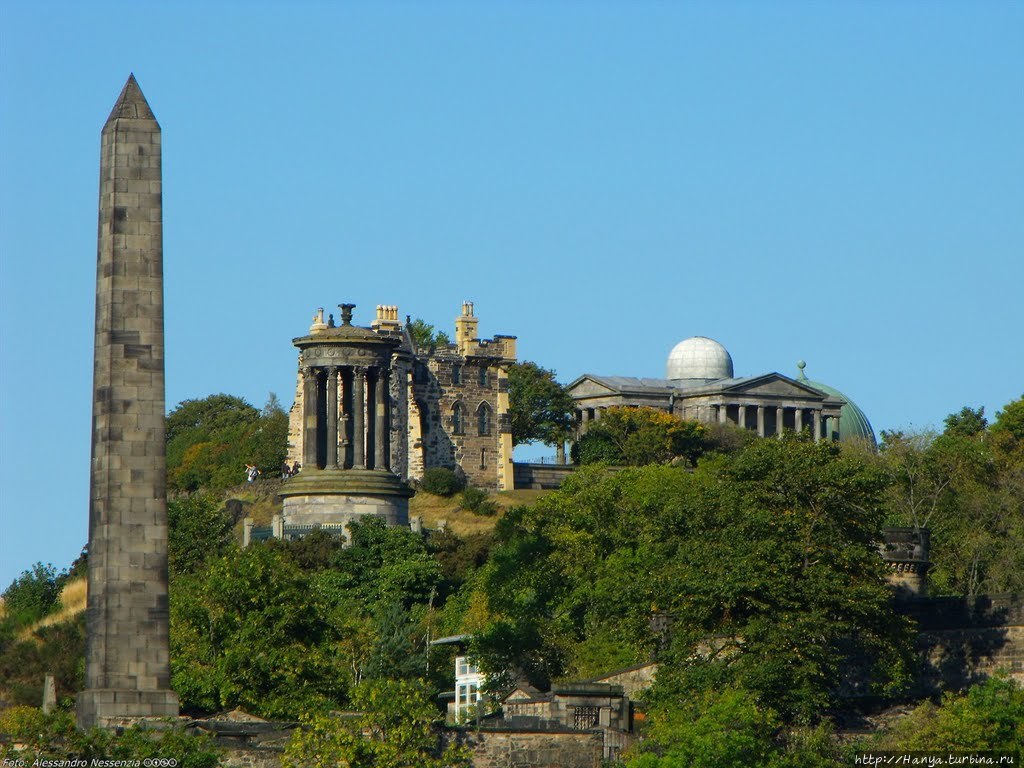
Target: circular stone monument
345	431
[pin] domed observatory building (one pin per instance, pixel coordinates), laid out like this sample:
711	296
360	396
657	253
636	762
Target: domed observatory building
700	384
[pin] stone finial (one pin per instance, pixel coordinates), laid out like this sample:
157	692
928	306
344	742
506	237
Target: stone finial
346	313
800	364
318	321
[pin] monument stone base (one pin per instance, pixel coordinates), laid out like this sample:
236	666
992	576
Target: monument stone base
334	498
107	707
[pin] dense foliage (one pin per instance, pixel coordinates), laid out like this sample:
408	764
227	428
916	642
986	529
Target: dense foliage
752	575
441	481
210	441
425	337
763	565
640	436
395	729
539	407
966	485
38	737
34	594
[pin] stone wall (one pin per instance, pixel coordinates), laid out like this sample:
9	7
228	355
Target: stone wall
634	680
545	476
963	641
446	380
498	748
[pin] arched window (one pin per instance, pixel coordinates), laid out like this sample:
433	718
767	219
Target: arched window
483	376
457	419
483	417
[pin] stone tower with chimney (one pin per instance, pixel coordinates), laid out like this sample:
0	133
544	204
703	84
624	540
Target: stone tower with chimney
127	667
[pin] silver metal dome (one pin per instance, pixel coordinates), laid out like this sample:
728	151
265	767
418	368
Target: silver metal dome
699	358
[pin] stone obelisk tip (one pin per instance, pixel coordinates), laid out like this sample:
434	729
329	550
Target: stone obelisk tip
131	104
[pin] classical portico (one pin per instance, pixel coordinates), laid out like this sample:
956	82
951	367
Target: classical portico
349	382
700	385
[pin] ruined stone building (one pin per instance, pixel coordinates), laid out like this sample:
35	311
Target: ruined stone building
373	412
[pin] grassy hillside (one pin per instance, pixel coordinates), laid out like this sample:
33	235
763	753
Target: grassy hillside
433	509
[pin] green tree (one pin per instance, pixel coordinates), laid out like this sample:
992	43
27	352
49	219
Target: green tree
639	436
969	422
395	729
199	529
764	565
36	736
247	631
1011	419
715	729
210	441
989	716
425	337
967	487
33	594
539	407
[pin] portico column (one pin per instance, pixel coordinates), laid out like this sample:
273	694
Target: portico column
723	413
332	417
741	421
798	421
760	421
309	410
817	425
834	431
358	417
380	425
778	422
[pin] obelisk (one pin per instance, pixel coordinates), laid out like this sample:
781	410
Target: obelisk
127	664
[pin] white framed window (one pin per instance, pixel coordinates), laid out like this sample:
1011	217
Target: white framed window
464	667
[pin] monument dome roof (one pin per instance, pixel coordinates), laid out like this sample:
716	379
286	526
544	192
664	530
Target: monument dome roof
699	358
853	423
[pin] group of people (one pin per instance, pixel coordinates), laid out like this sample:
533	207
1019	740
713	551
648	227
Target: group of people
287	470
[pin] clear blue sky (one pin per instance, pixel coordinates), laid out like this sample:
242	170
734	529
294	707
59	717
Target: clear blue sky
838	182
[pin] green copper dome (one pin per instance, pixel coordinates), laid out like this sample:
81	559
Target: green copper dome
853	424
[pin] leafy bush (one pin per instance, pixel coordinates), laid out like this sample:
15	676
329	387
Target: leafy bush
55	737
478	501
441	481
988	716
396	728
639	436
34	594
210	441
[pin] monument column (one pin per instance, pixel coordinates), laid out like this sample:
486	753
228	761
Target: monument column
359	420
332	417
127	657
309	409
380	425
